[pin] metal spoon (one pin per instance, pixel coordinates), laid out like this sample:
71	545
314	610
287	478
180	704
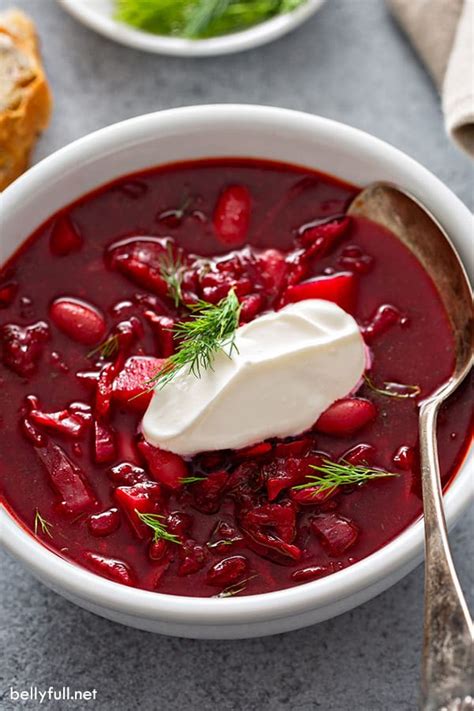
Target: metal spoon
447	665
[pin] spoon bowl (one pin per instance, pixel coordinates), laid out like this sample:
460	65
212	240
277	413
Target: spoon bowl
448	631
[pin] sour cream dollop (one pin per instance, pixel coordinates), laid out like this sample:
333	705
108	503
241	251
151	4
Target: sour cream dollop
289	366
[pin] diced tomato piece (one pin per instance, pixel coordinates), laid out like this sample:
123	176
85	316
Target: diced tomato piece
346	416
105	446
165	467
67	479
131	385
144	498
111	568
77	319
232	215
339	288
337	534
227	571
65	237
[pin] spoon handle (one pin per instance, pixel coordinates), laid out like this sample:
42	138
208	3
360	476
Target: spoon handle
447	671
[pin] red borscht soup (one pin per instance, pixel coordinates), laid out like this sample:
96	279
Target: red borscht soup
88	305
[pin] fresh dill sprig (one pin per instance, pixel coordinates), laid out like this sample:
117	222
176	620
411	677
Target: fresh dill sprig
155	522
339	474
236	588
171	271
40	522
107	348
191	479
397	390
210	329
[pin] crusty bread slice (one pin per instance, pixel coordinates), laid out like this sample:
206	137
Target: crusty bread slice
25	97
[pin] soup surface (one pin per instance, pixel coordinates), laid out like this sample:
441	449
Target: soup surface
86	318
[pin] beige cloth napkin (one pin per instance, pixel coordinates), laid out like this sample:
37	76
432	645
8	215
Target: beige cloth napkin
442	32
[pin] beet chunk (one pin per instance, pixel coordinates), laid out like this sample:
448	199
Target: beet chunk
105	446
131	386
337	534
71	422
227	571
142	498
193	557
165	467
273	526
141	261
127	474
67	479
319	238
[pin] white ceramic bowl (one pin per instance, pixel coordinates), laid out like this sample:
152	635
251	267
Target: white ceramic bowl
216	131
99	16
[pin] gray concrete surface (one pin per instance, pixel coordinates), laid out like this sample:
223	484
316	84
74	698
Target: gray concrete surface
350	63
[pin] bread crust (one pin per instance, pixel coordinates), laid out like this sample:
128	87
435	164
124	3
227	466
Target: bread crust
25	97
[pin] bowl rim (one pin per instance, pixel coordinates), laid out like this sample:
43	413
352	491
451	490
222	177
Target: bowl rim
255	36
405	549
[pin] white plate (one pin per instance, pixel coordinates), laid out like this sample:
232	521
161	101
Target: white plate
98	15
